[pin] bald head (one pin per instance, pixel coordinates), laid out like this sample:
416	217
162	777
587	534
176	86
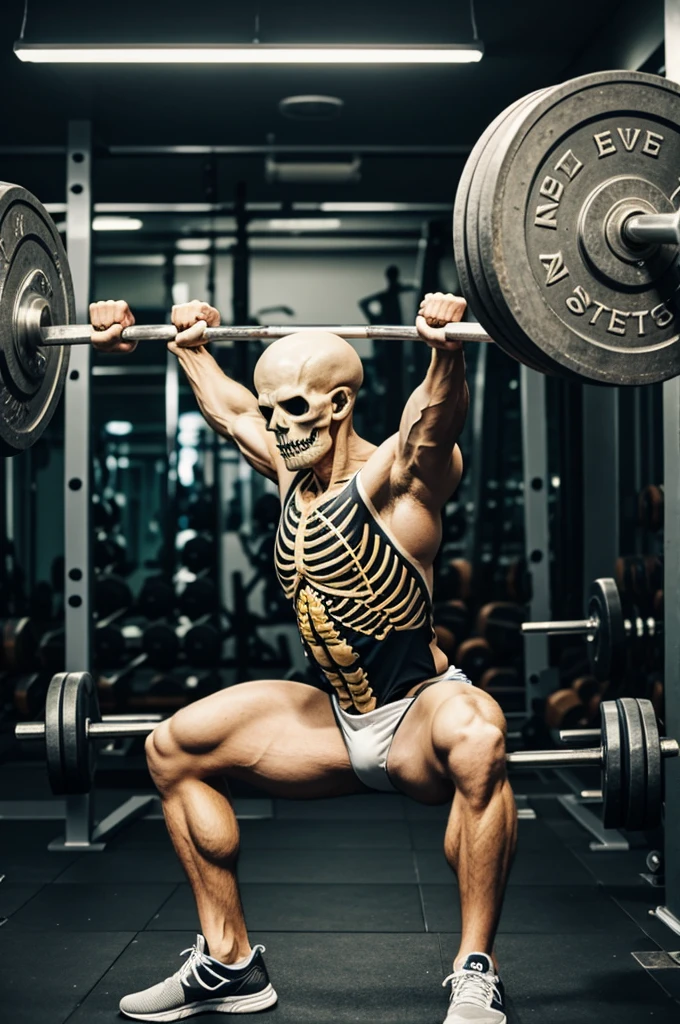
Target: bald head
316	359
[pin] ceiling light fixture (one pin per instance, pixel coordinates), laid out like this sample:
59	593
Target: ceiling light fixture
250	53
116	224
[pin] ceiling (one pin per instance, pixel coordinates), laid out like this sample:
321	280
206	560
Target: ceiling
527	45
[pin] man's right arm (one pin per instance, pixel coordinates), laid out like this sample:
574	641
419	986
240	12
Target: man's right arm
227	406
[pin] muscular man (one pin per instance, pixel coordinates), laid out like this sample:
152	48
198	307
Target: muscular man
359	530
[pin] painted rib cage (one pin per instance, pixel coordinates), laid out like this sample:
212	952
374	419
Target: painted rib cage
347	573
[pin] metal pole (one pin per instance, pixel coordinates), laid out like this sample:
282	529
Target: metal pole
536	530
77	454
601	499
77	457
671	445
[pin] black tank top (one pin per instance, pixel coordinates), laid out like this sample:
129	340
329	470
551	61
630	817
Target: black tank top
363	609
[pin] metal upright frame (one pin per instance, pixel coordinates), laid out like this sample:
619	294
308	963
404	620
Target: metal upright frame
670	913
601	497
539	677
79	824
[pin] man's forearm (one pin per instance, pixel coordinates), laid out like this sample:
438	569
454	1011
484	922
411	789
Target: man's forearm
220	399
435	413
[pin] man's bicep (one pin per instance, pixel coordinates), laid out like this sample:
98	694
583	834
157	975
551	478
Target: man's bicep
249	433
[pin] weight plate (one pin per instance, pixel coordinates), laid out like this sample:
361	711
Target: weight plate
465	232
654	778
509	338
54	734
634	764
460	215
607	647
79	706
612	768
551	244
35	287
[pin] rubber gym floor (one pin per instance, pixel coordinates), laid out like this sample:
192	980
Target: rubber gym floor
354	902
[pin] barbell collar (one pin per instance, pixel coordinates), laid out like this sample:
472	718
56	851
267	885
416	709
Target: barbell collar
653	227
79	334
579	735
573	627
669	748
590	757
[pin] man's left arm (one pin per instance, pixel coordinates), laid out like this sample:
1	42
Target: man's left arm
428	462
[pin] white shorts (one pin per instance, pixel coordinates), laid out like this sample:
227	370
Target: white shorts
368	737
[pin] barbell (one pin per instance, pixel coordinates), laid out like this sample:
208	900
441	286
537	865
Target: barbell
630	755
608	631
565	235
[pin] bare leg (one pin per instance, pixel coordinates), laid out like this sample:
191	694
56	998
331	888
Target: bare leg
481	833
280	735
453	741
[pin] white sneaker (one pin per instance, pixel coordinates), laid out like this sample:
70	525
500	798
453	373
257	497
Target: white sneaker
477	995
202	985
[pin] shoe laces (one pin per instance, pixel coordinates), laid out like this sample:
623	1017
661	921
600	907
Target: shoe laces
476	989
198	959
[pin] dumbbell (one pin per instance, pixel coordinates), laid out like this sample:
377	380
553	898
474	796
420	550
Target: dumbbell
199	597
19	644
111	594
564	709
650	507
156	599
503	683
638	577
518	582
474	657
29	690
198	553
202	644
454	616
500	623
454	580
170	691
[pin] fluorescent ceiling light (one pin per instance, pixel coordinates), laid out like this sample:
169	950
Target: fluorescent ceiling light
193	244
252	53
381	207
191	259
116	224
301	224
119	428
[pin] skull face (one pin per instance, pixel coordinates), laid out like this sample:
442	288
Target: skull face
301	423
305	383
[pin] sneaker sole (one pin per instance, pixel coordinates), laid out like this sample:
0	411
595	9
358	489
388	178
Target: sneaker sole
228	1004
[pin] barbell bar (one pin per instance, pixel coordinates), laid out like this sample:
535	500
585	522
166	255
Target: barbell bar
629	756
76	334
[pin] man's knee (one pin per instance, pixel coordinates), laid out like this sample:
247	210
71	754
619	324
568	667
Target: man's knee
468	736
173	750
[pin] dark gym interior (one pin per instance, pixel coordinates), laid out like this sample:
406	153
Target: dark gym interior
141	574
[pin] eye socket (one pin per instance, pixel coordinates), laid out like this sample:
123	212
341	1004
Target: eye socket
296	406
266	411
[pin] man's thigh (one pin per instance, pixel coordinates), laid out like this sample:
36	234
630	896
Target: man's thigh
276	734
412	763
